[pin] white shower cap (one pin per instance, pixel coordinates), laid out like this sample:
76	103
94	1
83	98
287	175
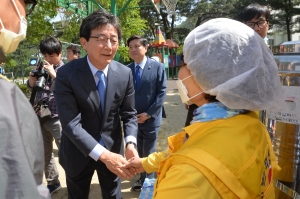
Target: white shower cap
232	62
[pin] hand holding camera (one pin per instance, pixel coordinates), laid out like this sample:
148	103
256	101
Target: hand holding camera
39	74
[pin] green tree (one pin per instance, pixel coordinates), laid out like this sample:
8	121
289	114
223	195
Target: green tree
148	13
285	15
67	28
131	23
182	9
166	22
18	61
39	22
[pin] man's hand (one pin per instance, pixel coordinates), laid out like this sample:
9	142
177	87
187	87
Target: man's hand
50	68
32	80
135	164
131	152
142	117
115	163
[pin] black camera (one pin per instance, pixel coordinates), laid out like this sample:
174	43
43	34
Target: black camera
39	71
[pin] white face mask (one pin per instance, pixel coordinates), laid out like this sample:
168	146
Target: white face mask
183	92
9	40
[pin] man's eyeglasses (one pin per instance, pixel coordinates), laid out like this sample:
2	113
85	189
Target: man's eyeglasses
30	4
260	24
102	40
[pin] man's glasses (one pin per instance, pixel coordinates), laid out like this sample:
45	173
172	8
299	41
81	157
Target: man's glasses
260	24
102	40
30	4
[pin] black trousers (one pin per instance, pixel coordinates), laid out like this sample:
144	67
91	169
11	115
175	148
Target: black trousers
79	186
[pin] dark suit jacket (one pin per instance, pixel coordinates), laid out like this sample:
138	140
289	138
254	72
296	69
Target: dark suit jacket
151	93
80	113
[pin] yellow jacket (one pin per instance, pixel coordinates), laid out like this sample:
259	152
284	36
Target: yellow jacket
226	158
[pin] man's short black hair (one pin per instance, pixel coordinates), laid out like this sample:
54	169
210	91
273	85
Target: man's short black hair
253	11
143	40
98	19
75	49
50	46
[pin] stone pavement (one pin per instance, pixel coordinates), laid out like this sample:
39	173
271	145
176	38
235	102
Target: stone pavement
175	120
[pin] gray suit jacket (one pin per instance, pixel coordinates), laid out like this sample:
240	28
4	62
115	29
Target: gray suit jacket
80	113
21	146
151	93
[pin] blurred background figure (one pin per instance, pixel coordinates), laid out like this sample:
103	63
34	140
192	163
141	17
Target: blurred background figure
226	152
73	52
256	17
21	143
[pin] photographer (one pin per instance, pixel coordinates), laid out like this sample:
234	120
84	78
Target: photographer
73	52
42	81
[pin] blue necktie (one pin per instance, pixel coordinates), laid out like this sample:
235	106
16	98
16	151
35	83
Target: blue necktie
137	76
101	86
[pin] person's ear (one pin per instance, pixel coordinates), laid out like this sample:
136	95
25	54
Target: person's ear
83	42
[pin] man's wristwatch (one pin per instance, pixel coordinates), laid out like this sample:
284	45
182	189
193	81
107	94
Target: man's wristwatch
148	116
134	144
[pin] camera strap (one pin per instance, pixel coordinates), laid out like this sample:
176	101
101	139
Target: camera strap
33	93
32	97
52	86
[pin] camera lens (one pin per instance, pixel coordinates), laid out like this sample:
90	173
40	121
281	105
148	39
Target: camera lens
40	83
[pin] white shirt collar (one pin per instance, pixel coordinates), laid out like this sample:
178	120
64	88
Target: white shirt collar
94	70
142	64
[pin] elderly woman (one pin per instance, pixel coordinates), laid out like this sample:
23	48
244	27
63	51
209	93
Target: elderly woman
226	152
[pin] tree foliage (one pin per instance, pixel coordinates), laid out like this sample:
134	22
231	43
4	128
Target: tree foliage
131	24
140	17
39	22
66	29
286	15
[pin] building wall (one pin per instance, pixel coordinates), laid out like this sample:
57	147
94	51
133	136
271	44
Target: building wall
278	38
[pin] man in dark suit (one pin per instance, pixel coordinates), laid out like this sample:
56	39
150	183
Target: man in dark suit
92	93
150	92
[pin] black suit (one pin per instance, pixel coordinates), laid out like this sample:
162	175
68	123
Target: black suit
82	121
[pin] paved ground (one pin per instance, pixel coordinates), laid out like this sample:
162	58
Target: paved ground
176	115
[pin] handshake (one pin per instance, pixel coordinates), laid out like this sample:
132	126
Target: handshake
123	168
